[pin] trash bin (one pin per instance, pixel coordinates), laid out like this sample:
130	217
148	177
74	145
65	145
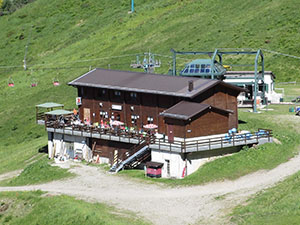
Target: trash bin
291	109
154	169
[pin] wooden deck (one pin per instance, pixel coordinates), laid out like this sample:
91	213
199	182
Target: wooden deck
179	145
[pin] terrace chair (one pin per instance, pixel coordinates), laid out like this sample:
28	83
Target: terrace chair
228	138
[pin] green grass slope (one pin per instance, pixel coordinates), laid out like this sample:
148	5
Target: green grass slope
33	208
66	37
276	205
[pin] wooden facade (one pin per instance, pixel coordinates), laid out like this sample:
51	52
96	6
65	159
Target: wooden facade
132	108
209	122
137	99
137	109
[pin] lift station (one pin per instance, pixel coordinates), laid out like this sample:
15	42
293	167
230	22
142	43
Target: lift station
213	68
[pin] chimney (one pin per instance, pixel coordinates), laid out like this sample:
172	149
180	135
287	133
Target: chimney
191	85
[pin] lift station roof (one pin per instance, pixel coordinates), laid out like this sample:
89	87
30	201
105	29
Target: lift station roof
203	68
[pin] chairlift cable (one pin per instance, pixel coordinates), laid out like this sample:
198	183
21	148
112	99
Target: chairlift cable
283	54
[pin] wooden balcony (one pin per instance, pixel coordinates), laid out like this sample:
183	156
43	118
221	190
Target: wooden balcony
179	145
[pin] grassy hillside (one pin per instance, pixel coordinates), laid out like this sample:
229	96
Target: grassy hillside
30	208
276	205
66	37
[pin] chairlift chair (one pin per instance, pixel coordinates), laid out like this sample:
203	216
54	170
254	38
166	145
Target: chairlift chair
34	83
11	82
55	82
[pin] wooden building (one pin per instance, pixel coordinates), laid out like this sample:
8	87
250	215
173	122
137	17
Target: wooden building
199	107
192	116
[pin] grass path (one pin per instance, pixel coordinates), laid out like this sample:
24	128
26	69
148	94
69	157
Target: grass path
11	174
208	203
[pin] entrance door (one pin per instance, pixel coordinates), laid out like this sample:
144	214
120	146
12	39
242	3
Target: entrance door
170	133
167	163
87	114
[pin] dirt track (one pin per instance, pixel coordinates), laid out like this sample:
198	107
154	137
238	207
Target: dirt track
162	205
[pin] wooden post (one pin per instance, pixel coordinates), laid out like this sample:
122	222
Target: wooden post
221	142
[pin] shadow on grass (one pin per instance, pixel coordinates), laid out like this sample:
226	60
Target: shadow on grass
43	149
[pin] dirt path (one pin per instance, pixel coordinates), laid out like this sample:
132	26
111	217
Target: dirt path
10	174
207	204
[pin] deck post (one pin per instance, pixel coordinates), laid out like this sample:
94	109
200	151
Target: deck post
233	140
221	142
159	144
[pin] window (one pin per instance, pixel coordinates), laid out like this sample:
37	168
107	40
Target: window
134	119
149	119
133	95
117	93
103	114
101	92
197	66
80	91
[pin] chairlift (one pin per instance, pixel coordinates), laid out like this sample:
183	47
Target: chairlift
33	83
55	82
11	82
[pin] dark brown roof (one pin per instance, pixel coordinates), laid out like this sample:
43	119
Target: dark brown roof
186	110
146	83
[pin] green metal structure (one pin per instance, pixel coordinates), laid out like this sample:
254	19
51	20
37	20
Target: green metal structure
203	68
216	69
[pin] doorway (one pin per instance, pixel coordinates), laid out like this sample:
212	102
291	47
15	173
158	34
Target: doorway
87	114
167	163
170	133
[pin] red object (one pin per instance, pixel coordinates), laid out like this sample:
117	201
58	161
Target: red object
150	126
11	85
56	83
33	85
183	172
154	172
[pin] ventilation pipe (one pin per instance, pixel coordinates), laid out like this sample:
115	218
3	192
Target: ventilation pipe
191	85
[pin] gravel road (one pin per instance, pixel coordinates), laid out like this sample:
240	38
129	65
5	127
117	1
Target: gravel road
205	204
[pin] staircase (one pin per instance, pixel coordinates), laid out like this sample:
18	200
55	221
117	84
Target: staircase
137	155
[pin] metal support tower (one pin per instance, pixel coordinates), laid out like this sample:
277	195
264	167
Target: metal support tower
132	6
259	75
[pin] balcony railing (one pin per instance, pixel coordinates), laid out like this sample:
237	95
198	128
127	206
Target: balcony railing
179	145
